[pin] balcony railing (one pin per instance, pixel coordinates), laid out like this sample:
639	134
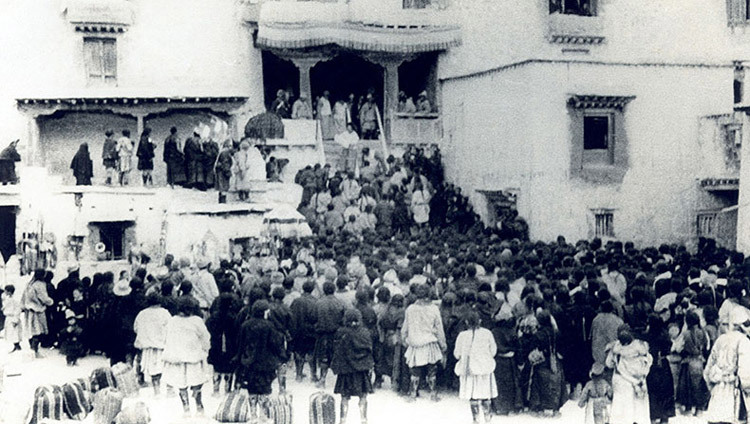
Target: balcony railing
416	129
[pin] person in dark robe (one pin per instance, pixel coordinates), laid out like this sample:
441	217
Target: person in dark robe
210	153
8	158
118	318
223	332
174	159
546	394
145	155
83	168
194	162
223	170
509	397
353	362
259	352
659	380
109	156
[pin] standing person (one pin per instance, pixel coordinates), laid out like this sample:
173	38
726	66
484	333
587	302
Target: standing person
475	351
631	362
280	316
223	170
727	370
280	106
330	311
118	318
348	139
150	328
34	303
185	353
596	397
71	339
420	205
124	157
109	156
368	119
659	379
259	352
12	313
304	314
604	331
205	289
692	392
194	161
223	331
547	383
424	338
83	168
8	158
301	108
325	116
174	159
510	398
210	154
353	363
423	104
248	167
339	117
146	156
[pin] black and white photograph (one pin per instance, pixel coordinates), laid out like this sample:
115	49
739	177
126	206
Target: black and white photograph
374	212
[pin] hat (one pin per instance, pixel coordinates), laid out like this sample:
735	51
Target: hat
301	270
73	268
69	314
202	263
423	93
596	370
352	315
277	277
121	288
738	316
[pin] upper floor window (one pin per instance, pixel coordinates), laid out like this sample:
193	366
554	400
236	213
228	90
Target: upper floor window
100	55
598	136
573	7
738	12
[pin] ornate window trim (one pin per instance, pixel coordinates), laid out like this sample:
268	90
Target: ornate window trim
585	101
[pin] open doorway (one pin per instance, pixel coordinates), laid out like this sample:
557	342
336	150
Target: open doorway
278	74
347	74
114	237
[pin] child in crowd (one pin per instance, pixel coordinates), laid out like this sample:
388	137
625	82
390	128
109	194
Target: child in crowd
71	344
150	328
12	312
353	363
596	397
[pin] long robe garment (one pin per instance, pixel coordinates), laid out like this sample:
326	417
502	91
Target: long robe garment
248	166
175	161
210	153
223	169
145	154
659	379
630	403
194	161
509	396
327	128
83	168
727	373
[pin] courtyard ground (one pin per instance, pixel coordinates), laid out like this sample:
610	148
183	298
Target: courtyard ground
385	407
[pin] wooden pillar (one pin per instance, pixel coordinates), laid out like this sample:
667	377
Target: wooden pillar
304	65
390	94
139	126
33	153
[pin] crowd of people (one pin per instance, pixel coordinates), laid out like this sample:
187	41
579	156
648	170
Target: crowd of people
428	304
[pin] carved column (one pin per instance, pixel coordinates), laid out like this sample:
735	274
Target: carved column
304	65
33	152
390	94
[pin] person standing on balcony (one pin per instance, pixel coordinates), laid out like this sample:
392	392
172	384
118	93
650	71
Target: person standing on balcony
339	117
352	111
8	158
280	106
424	105
210	154
405	104
301	108
174	159
194	161
368	118
109	156
223	170
82	166
325	116
145	155
124	156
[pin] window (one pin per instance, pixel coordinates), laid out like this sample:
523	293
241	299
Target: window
739	83
100	55
706	224
573	7
604	223
115	236
598	137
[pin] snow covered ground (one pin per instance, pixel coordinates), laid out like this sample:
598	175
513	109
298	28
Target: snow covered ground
385	407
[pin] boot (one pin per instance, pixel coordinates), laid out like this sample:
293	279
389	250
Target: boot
344	410
432	384
227	383
413	388
217	383
487	410
16	347
222	198
156	383
323	373
299	366
108	181
474	411
145	180
185	401
363	409
198	396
